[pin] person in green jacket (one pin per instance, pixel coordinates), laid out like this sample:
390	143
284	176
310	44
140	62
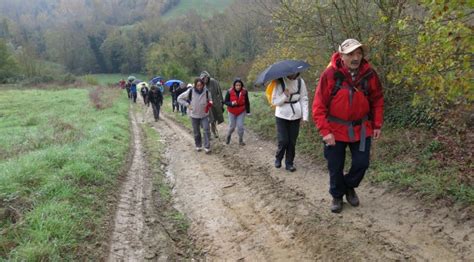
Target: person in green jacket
216	114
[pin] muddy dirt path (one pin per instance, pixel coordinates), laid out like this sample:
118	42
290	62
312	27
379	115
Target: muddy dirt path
243	209
137	235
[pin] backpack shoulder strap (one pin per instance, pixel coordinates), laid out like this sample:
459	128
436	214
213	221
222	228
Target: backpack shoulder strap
282	82
190	95
364	82
299	86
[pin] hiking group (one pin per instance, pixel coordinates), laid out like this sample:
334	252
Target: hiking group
347	110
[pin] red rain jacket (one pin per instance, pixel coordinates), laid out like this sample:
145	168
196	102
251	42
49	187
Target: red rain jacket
339	107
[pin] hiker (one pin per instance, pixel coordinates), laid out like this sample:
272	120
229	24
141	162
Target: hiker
122	83
216	115
238	105
144	92
199	101
348	111
155	98
128	86
291	100
133	92
174	96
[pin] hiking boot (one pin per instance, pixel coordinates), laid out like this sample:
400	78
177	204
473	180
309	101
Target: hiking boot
290	168
207	150
227	140
351	197
241	141
277	163
198	149
336	206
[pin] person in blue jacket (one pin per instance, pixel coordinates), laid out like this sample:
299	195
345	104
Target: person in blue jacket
133	92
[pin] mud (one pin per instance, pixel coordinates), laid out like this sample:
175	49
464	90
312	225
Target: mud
242	208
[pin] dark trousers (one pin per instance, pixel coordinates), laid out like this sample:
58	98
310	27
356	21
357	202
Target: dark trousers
336	155
144	99
134	97
174	103
156	110
183	110
287	133
128	93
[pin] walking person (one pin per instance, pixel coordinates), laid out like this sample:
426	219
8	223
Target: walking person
199	101
128	87
216	115
174	96
348	111
155	98
291	100
144	92
238	105
133	92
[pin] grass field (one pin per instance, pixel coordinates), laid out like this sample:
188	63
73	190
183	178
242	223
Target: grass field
59	162
206	8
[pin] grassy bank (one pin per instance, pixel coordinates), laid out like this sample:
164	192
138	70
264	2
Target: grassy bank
59	162
402	158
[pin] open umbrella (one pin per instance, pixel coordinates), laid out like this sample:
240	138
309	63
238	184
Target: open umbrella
281	69
137	81
170	82
156	79
131	78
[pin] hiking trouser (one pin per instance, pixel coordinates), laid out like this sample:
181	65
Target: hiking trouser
174	103
287	133
183	109
336	155
156	110
236	121
134	97
144	99
199	123
128	93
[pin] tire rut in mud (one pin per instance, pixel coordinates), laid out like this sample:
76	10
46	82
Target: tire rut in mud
385	226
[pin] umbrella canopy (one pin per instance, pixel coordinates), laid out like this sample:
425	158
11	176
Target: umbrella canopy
281	69
170	82
137	81
156	79
140	85
131	78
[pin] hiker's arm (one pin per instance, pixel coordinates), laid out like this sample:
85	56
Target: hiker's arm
182	98
278	96
247	102
227	101
319	109
304	100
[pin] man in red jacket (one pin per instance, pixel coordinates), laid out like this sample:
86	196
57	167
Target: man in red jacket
348	111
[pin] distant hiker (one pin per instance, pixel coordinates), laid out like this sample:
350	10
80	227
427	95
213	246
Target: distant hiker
182	88
133	92
291	100
199	101
122	83
128	87
238	105
216	114
155	98
144	92
174	96
348	111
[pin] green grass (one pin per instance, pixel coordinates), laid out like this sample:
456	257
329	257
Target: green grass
183	120
205	8
109	79
59	162
395	159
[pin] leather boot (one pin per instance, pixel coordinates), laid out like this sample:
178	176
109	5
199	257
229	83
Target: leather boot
351	197
336	206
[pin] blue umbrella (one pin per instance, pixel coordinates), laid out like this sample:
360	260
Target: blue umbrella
156	79
170	82
281	69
